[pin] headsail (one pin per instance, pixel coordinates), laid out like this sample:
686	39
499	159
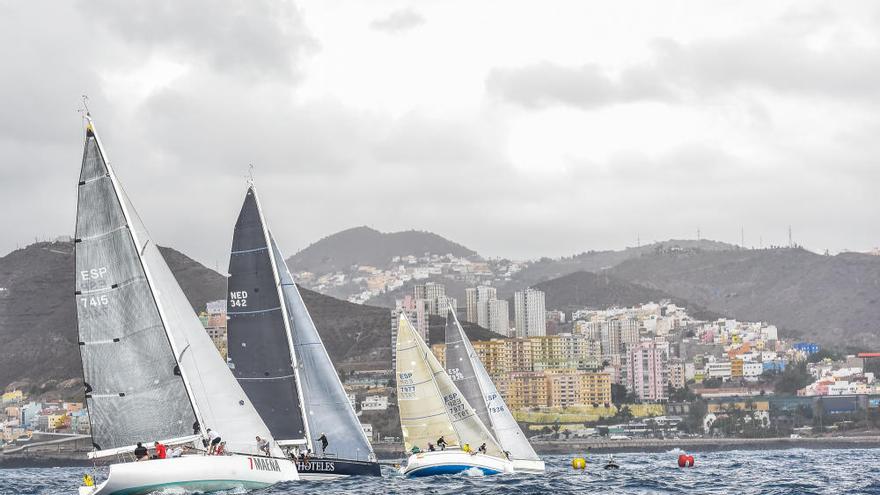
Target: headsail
460	367
259	348
430	404
140	338
326	406
128	363
471	370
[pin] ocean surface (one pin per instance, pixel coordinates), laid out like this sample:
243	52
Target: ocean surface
797	471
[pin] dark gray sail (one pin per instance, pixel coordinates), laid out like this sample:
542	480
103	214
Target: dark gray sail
461	369
259	349
134	391
325	402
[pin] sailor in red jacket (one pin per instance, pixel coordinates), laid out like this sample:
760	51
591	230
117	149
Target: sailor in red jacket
161	451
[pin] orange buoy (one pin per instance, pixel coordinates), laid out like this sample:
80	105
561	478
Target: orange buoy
690	461
682	460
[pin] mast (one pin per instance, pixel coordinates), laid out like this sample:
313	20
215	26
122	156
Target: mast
285	316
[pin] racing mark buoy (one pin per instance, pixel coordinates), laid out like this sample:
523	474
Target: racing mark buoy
579	463
690	461
682	460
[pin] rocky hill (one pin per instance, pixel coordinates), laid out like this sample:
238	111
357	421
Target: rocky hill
831	299
366	246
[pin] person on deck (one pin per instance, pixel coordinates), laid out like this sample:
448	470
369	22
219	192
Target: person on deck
482	449
161	451
213	441
324	443
140	452
441	443
430	447
263	445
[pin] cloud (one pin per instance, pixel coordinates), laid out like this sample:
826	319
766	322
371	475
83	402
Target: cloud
802	52
587	86
398	21
259	39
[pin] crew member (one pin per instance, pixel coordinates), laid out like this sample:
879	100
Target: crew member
324	443
441	443
161	451
482	448
140	452
213	441
263	445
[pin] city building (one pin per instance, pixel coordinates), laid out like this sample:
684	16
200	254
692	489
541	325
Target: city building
530	313
646	374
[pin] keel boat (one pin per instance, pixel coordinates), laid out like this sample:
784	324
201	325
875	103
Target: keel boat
470	376
432	407
279	359
150	371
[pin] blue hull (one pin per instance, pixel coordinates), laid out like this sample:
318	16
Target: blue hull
447	469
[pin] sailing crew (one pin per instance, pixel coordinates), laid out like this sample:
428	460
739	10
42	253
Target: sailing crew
430	447
161	451
441	443
324	443
176	452
140	452
213	441
263	445
482	449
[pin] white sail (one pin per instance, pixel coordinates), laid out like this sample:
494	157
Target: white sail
217	399
501	421
431	405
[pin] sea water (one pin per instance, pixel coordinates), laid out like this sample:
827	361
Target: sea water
739	472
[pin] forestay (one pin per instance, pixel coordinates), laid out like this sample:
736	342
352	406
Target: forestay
325	402
259	348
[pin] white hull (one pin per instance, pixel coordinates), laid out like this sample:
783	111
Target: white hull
527	466
194	473
453	462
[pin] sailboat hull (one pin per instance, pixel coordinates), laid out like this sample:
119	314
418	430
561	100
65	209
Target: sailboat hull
332	468
527	466
453	462
194	473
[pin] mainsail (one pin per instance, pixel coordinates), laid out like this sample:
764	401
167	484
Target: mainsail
259	349
151	371
326	405
430	404
463	364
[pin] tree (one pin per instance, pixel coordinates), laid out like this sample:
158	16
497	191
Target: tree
618	394
794	378
624	414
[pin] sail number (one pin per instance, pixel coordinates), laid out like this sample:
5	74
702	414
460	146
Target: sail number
94	301
455	374
456	406
238	299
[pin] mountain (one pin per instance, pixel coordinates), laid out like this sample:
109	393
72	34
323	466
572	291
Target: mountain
38	335
831	299
366	246
580	290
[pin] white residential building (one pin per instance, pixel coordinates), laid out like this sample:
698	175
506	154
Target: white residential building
530	313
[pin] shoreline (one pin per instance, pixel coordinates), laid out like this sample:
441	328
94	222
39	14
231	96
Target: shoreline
386	452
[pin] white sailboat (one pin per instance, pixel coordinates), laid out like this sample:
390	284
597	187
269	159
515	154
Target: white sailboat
467	371
280	360
150	370
431	407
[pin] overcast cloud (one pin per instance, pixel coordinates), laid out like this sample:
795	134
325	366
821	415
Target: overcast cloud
518	129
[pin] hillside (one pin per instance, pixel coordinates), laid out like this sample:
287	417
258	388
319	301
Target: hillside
38	341
366	246
832	299
590	290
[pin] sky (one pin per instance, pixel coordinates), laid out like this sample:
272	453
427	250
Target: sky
519	129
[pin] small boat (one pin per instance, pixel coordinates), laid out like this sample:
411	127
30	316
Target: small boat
611	463
278	357
470	376
432	408
150	371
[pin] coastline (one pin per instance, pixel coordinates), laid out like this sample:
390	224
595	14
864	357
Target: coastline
389	452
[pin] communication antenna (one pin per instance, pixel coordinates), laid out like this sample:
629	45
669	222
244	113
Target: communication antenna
790	245
742	237
698	233
85	106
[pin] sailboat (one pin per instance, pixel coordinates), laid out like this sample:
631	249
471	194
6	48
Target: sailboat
431	407
150	371
280	360
467	371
